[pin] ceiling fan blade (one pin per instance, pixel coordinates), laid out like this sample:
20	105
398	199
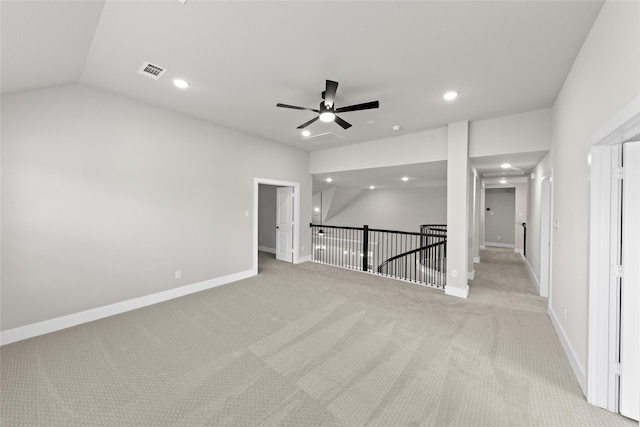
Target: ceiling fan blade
345	125
302	126
365	106
293	107
330	93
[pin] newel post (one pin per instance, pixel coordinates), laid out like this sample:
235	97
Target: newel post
365	248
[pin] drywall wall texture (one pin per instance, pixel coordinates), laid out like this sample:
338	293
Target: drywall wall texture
419	147
517	133
403	209
603	79
500	215
522	200
267	209
534	209
104	198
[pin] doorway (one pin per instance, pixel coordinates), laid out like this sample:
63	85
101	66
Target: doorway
545	235
276	207
613	380
629	238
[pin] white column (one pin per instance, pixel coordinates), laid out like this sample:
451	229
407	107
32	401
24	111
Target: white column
457	209
470	230
476	218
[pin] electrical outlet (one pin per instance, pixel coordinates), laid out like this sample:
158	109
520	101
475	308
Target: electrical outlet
301	248
454	273
499	237
565	312
178	274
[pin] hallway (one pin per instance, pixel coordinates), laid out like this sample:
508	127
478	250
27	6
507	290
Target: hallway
502	279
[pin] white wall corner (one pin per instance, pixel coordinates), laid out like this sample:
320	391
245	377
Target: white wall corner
59	323
457	292
306	258
476	260
531	273
471	274
577	367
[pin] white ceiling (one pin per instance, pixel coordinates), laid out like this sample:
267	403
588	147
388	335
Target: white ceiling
242	58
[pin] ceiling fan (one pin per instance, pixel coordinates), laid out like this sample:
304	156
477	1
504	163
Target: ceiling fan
327	111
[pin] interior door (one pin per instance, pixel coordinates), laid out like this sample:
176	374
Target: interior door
630	284
284	224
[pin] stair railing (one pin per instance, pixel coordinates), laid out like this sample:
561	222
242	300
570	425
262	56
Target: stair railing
415	257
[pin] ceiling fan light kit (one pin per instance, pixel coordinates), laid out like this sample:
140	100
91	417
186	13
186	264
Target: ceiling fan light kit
327	111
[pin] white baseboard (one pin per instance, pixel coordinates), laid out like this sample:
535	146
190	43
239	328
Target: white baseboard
518	250
483	247
531	273
476	260
267	249
578	370
304	259
471	274
52	325
500	245
457	292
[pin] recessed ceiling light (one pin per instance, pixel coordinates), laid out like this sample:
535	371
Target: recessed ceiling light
316	209
505	165
450	96
329	179
503	181
181	83
372	187
305	133
405	178
371	122
395	127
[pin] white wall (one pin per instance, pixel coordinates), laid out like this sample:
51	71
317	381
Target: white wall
104	198
267	210
499	219
533	217
518	133
419	147
522	200
603	79
402	209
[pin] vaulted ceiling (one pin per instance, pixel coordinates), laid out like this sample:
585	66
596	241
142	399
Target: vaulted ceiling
242	57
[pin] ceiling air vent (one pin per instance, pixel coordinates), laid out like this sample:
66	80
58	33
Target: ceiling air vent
151	70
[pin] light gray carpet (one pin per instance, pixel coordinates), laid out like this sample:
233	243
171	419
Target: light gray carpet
303	345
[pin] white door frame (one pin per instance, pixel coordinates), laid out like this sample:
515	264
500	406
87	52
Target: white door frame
603	325
296	216
546	206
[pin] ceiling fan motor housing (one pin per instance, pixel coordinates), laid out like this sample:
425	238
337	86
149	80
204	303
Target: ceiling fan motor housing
324	109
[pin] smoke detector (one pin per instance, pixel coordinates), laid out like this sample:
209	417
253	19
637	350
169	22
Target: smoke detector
152	71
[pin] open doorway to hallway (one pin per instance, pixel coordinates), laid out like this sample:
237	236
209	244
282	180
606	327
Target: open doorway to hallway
276	228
